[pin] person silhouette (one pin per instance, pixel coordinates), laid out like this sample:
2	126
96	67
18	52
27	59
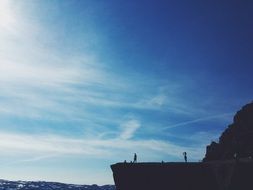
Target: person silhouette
135	157
185	156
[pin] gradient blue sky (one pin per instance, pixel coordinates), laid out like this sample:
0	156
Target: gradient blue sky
85	84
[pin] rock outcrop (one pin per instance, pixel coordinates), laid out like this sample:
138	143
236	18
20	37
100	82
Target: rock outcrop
228	164
163	176
218	175
237	140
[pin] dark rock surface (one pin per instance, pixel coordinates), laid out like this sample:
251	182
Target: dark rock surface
236	140
217	175
42	185
163	176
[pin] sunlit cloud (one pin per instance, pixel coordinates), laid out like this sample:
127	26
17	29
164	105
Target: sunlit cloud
129	128
7	17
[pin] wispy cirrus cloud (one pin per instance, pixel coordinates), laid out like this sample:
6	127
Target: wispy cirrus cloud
37	147
198	120
39	80
129	128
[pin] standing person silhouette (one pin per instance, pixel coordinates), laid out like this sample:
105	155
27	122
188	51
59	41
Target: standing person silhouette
135	157
185	156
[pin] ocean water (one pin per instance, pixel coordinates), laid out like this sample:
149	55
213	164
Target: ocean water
42	185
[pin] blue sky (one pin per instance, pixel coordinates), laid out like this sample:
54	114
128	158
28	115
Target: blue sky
85	84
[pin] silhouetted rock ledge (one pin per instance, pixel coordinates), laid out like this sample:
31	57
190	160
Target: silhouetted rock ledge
227	165
237	140
219	175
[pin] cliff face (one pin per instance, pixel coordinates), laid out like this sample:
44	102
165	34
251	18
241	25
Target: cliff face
236	140
183	176
228	164
159	176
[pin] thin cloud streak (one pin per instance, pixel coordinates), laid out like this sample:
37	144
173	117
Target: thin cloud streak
106	148
199	120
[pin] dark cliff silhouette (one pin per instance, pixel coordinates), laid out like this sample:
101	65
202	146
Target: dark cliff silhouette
236	142
159	176
226	166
